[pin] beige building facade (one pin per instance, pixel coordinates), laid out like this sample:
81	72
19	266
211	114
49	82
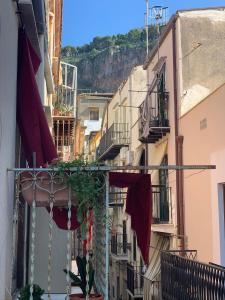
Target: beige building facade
119	145
185	107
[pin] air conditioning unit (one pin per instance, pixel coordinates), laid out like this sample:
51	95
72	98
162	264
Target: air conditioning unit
129	157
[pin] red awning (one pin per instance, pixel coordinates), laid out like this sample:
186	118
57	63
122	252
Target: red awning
138	205
31	120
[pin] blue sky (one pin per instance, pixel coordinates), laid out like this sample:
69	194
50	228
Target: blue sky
85	19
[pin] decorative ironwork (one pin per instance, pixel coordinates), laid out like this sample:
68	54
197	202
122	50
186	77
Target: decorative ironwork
135	279
185	278
100	245
68	246
162	205
48	185
116	136
119	245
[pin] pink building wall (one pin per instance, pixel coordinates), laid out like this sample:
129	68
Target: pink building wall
204	143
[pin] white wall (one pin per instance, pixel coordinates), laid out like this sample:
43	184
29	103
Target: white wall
8	81
59	252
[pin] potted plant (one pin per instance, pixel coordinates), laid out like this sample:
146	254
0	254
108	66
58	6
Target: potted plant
56	109
68	110
37	293
81	280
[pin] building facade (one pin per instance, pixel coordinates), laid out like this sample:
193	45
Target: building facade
42	21
90	110
119	145
178	118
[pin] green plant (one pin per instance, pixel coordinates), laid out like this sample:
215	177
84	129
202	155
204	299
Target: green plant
57	105
25	292
81	279
86	185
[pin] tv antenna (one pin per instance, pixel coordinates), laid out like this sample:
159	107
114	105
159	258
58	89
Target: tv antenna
158	18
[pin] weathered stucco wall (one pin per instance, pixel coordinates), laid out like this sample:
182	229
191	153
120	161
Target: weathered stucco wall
202	55
8	82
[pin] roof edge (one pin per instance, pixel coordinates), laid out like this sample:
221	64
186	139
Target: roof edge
164	34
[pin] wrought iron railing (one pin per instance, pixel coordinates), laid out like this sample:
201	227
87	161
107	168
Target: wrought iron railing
135	279
65	103
119	244
153	116
185	278
64	135
162	206
116	136
117	198
48	187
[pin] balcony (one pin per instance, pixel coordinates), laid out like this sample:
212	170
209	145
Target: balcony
162	208
64	106
116	137
63	136
183	277
135	281
64	102
117	198
153	117
119	247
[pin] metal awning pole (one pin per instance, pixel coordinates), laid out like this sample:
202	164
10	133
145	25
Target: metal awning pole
120	168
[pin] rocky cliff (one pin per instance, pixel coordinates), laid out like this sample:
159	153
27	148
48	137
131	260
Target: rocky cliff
107	61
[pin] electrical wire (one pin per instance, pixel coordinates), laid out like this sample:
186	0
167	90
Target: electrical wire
188	176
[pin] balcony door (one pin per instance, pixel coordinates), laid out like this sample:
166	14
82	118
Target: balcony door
161	99
163	182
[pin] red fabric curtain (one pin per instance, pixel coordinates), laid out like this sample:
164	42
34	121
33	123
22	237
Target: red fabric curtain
138	205
60	216
31	120
35	134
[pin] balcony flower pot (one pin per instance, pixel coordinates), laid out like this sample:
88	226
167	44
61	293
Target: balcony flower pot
81	296
56	111
41	186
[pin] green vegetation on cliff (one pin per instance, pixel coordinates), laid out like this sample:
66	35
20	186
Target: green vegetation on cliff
121	51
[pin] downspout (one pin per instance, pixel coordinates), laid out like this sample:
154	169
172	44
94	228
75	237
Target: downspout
146	145
130	103
178	152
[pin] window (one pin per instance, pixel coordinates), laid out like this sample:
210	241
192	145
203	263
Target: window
94	113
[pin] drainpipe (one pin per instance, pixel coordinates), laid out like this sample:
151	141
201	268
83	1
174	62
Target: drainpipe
180	140
178	152
130	103
146	145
